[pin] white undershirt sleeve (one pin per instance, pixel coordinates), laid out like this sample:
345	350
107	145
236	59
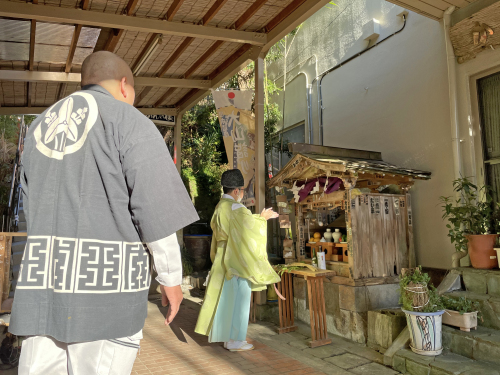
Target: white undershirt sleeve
167	260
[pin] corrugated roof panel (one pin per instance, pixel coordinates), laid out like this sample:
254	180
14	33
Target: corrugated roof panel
14	31
14	51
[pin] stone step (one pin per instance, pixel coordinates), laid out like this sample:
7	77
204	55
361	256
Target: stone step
18	251
15	271
22	226
407	362
19	238
482	344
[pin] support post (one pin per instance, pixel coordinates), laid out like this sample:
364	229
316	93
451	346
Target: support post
260	164
177	156
178	141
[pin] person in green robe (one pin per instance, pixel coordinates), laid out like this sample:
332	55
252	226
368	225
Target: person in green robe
240	266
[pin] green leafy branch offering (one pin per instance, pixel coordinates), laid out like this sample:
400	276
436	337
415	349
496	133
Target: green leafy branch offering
417	293
280	269
472	212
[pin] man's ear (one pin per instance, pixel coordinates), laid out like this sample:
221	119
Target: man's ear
123	88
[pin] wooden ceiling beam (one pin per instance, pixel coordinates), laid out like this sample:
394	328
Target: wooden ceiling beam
173	58
213	11
164	97
174	8
254	8
211	50
32	45
38	110
37	76
115	21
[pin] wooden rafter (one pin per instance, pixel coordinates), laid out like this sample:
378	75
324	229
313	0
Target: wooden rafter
29	93
254	8
62	90
186	97
174	8
72	48
230	60
214	47
177	53
284	14
213	11
164	97
32	45
142	95
211	50
116	34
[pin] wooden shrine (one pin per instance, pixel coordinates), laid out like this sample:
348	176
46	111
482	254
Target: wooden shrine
371	207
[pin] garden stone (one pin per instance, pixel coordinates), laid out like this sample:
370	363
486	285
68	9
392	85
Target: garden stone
415	368
399	364
299	344
493	282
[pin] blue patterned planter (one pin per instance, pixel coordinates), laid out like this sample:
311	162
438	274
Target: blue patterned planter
425	332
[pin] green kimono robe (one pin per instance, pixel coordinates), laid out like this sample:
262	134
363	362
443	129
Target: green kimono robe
238	249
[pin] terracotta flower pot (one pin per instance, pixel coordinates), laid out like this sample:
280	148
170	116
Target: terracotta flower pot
481	251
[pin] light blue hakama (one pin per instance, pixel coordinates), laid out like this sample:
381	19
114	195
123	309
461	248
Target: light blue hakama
233	311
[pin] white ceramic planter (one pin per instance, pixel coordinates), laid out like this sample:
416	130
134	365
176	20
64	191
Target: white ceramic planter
465	322
425	332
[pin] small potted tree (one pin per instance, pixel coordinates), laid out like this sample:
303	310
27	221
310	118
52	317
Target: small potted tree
471	221
461	312
423	308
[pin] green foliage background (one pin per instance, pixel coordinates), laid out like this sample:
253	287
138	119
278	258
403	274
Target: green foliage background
9	136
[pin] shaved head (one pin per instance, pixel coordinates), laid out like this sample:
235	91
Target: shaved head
103	66
105	69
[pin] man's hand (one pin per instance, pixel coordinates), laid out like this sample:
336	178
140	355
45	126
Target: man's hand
268	213
172	297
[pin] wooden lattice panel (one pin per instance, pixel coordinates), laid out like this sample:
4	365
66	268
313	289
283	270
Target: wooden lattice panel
461	33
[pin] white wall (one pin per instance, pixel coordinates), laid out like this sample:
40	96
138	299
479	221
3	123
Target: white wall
393	99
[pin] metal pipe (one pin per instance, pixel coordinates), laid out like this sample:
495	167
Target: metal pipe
452	87
322	75
309	106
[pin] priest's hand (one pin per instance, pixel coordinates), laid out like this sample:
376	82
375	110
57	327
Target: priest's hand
172	297
268	213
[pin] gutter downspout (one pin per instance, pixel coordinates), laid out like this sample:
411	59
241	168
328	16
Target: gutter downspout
309	106
455	131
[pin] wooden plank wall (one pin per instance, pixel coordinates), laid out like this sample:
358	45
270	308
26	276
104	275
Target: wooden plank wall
381	239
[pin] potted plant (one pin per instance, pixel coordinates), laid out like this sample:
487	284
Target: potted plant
424	309
471	221
461	312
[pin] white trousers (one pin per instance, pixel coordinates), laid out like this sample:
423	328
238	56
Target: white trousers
44	355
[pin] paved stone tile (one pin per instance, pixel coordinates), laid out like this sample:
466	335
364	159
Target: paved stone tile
325	351
299	344
347	361
373	369
179	350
